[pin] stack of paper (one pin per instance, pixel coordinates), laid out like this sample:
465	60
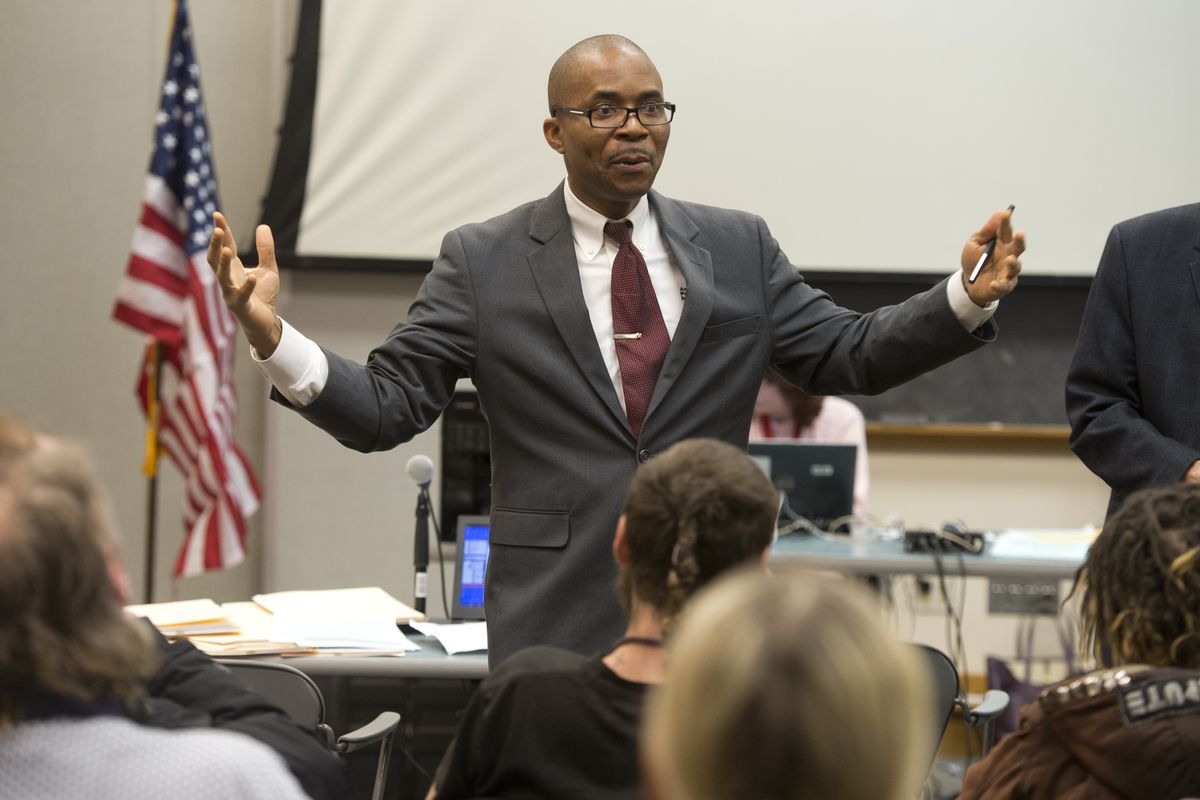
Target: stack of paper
254	636
361	621
185	617
343	635
365	601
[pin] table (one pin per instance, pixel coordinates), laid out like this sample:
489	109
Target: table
872	555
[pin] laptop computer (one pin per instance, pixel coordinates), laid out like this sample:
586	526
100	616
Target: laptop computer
815	479
470	566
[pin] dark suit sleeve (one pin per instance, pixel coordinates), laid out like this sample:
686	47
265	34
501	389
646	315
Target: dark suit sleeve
1104	404
827	349
190	690
410	377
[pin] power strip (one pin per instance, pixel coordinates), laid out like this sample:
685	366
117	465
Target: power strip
926	541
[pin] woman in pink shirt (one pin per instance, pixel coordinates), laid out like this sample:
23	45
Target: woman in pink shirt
784	412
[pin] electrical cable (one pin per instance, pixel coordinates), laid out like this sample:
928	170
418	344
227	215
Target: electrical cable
412	760
437	537
974	547
804	525
954	641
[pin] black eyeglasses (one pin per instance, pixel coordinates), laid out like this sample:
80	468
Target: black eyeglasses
606	115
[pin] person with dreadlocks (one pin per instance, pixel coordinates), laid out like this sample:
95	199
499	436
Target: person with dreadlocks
1131	729
552	723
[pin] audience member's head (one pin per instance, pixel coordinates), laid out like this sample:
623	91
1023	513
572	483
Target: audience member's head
16	441
1140	584
692	512
62	630
789	688
779	399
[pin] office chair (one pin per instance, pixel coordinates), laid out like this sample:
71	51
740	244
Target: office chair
297	694
946	697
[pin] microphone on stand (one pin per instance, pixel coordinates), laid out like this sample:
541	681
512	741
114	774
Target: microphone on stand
420	469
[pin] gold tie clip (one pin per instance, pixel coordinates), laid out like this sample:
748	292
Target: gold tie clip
627	336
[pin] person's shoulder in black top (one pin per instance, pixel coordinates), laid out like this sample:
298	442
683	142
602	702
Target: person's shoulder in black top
547	723
553	723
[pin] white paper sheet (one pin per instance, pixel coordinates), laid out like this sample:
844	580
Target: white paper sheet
340	631
456	637
360	601
1068	544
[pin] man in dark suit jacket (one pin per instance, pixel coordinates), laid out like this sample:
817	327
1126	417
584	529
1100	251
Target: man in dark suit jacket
520	303
1133	389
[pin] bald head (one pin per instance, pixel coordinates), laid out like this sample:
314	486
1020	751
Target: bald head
571	65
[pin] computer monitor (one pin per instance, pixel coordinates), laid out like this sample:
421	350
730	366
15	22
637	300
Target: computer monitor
470	566
465	479
815	479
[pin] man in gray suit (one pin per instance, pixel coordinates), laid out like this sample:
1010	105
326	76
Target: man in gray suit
1133	388
577	395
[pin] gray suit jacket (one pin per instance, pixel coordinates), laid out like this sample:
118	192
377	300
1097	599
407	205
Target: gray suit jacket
1133	388
504	305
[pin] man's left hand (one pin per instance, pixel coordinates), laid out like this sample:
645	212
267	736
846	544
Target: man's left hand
999	275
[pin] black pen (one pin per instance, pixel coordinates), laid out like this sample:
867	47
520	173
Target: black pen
987	253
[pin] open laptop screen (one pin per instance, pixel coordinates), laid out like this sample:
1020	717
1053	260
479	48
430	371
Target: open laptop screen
815	479
470	566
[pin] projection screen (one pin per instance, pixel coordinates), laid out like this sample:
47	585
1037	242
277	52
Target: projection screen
870	135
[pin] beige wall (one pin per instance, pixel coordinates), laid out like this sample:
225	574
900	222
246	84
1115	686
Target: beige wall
985	487
80	83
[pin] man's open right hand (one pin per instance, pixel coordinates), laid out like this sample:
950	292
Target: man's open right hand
251	294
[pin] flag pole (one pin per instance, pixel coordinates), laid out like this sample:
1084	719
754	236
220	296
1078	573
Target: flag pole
153	367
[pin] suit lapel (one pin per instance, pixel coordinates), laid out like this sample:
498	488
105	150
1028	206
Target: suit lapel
556	272
1194	264
696	264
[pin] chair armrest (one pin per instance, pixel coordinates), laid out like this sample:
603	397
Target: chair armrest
368	734
993	704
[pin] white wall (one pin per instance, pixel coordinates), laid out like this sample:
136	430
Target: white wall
80	83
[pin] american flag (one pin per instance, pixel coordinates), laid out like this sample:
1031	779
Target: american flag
169	292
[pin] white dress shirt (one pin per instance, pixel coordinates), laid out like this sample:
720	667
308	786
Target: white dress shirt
595	253
298	368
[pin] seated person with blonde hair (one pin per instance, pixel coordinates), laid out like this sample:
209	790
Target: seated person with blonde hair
553	723
1131	729
73	665
787	688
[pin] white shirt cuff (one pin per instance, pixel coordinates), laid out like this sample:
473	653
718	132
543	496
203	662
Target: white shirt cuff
298	367
970	315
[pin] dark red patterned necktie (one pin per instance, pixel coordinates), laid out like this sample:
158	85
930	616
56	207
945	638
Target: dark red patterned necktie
638	328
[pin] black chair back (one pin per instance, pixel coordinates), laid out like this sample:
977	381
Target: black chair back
943	679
